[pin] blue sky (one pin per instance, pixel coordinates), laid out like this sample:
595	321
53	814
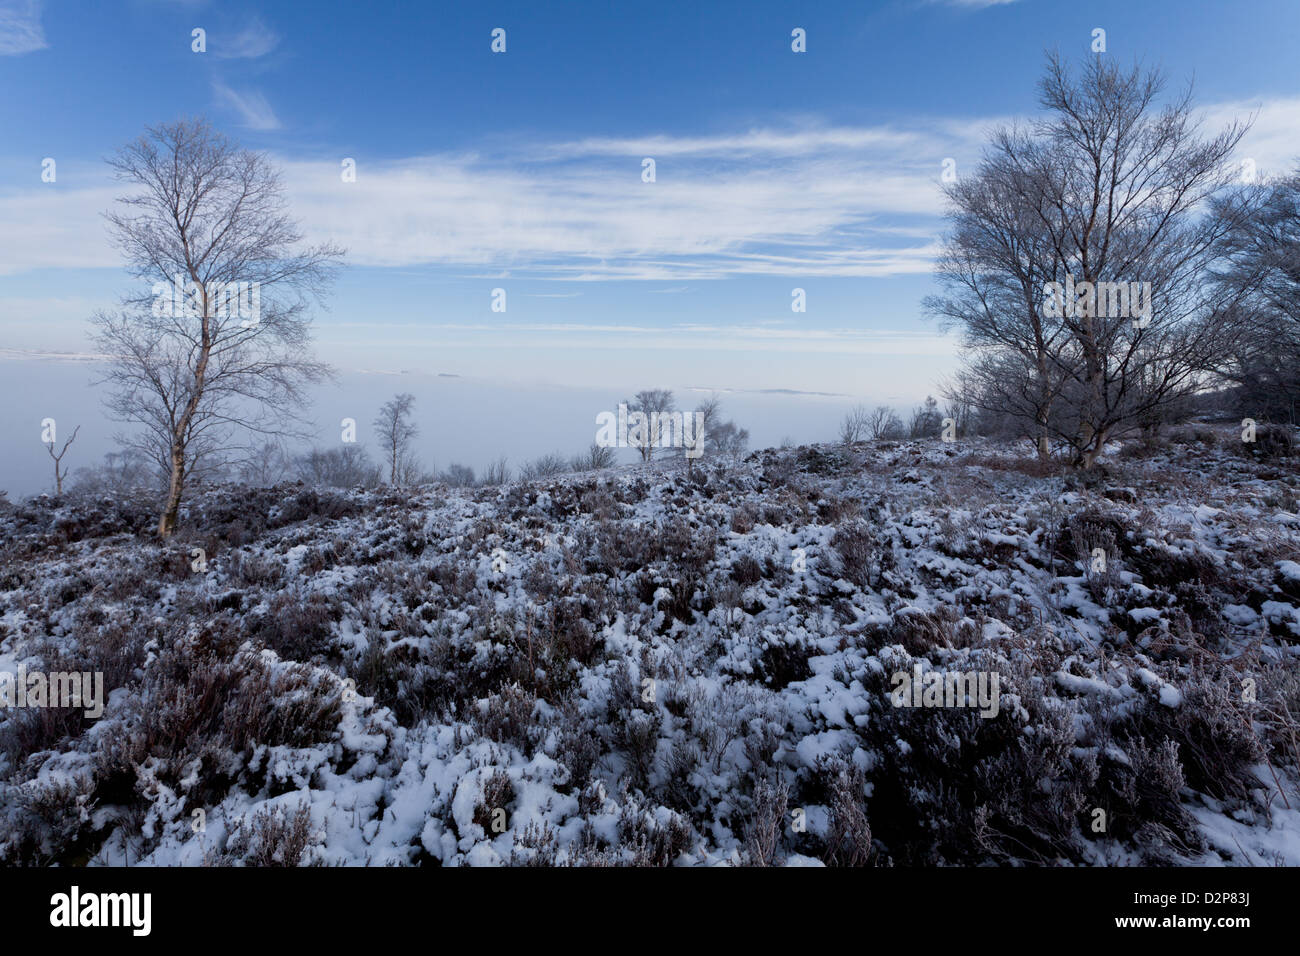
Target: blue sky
775	170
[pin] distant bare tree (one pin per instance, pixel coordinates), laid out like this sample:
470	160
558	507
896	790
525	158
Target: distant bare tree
958	408
854	426
861	423
547	466
708	415
710	435
653	403
60	475
497	473
346	467
396	431
122	473
195	374
926	420
726	440
883	423
458	476
595	458
265	466
711	411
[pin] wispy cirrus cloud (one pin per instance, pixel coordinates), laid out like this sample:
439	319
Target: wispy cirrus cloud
61	228
808	201
1271	140
253	109
687	336
805	202
255	40
754	142
976	4
20	27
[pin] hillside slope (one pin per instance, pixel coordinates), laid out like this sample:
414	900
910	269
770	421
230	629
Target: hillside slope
634	667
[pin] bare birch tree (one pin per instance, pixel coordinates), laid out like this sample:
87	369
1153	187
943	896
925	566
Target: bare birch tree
396	432
1102	196
60	476
1121	190
1262	267
217	351
854	426
655	404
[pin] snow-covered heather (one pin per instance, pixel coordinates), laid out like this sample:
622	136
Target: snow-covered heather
637	667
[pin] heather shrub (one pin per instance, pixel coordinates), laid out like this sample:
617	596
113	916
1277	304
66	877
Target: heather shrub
210	701
298	626
864	555
274	837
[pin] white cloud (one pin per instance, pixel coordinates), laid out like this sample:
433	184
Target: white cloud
826	201
692	337
809	202
40	355
252	107
20	27
978	4
61	227
742	145
1271	141
254	41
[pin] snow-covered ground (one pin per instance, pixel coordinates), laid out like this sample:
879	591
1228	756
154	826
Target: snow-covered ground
637	666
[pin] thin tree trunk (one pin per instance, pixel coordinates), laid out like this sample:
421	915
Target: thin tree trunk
1044	411
167	521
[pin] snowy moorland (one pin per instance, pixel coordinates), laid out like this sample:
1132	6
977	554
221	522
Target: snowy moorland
638	666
